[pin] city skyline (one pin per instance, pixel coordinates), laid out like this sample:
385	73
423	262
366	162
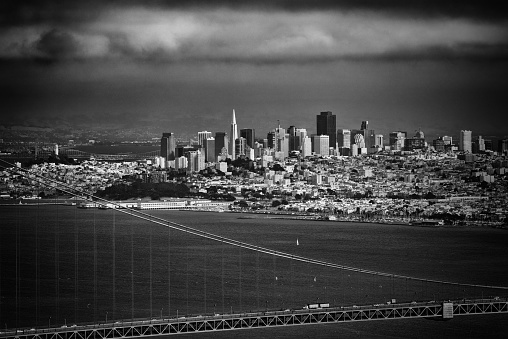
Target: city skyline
441	66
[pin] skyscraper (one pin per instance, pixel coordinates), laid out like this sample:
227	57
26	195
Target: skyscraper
240	146
168	145
202	136
327	125
344	138
233	136
221	141
465	141
397	140
249	135
321	144
210	150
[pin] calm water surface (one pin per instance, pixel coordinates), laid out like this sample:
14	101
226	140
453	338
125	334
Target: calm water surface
66	265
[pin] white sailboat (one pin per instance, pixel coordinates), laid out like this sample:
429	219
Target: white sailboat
297	243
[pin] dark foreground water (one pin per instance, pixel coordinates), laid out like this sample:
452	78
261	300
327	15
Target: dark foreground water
62	265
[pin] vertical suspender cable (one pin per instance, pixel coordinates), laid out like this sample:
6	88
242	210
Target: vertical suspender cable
17	266
132	271
291	295
114	261
257	281
94	268
151	301
274	280
187	275
169	271
240	275
76	266
37	271
57	260
222	274
205	269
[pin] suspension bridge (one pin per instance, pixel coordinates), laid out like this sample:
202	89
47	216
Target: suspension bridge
79	273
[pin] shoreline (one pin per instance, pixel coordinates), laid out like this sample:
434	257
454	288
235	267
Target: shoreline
283	216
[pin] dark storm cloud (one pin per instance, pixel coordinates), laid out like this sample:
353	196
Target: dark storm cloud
56	44
64	11
171	60
164	34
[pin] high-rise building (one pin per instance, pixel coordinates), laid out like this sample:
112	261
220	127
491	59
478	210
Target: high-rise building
294	140
202	136
397	140
306	147
240	146
465	139
250	135
379	140
502	146
210	150
439	144
416	142
281	141
233	136
195	161
270	138
344	138
447	140
479	146
327	125
365	125
221	141
321	144
168	145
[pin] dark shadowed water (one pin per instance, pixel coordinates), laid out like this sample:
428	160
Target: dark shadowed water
63	265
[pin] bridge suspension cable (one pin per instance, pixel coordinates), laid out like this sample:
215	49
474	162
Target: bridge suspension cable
190	230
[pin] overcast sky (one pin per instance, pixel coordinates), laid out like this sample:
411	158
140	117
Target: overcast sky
183	66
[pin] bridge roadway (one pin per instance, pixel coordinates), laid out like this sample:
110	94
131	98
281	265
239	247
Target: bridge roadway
224	322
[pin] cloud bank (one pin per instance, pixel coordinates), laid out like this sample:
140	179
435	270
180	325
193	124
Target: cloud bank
186	33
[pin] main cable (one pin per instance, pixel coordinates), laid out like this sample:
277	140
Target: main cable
229	241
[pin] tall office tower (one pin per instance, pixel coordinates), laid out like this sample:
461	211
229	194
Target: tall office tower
168	145
306	147
221	141
202	136
210	150
301	132
321	144
481	144
397	140
502	146
250	135
240	146
365	125
488	144
233	136
195	161
465	141
327	125
343	138
270	137
447	140
281	141
439	144
379	139
294	140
